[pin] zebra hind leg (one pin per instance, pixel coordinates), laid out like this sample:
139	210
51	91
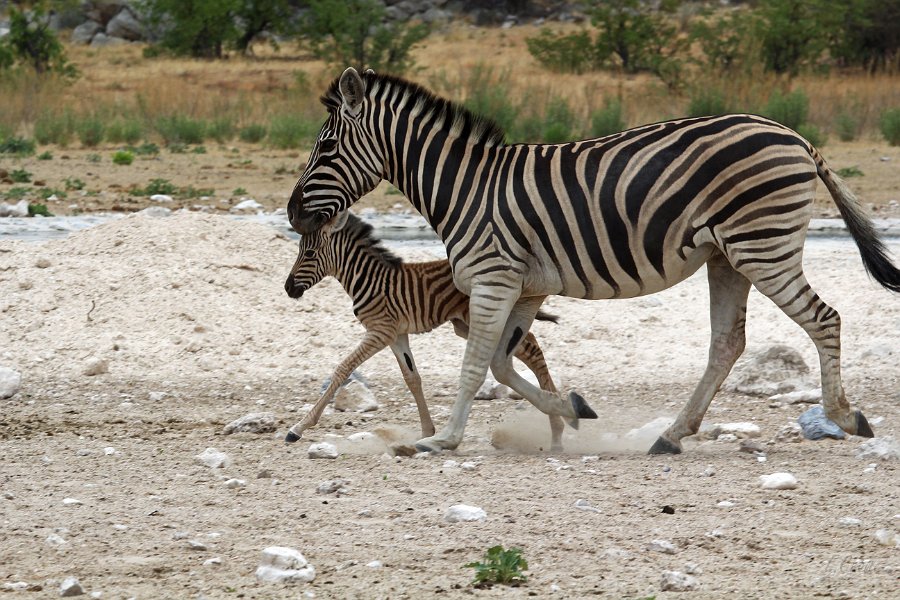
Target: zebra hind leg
790	290
728	291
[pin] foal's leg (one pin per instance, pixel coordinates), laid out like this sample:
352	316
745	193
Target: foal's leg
372	343
404	356
728	291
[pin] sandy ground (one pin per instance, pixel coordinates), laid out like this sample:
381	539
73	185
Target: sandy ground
189	314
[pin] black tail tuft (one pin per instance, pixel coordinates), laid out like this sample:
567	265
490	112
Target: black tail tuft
545	316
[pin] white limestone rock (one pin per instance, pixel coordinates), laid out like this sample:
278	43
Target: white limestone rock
10	382
262	422
583	504
213	459
234	484
662	546
96	366
334	486
70	587
676	581
882	448
459	513
284	565
355	396
776	370
246	205
322	450
807	396
161	198
778	481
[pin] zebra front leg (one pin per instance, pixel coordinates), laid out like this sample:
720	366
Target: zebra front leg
404	356
728	291
530	353
371	344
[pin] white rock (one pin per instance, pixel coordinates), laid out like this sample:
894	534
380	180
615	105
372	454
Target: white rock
725	504
468	466
70	587
234	484
375	564
884	448
212	561
332	486
19	209
849	522
156	211
196	545
886	537
663	546
792	432
161	198
96	366
71	501
322	450
741	429
450	464
490	389
16	586
246	204
213	459
262	422
583	504
156	396
55	540
692	569
10	381
284	565
462	513
778	481
807	396
676	581
726	438
775	370
109	451
355	396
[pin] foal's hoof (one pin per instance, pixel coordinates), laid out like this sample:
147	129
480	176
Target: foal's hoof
862	426
291	437
582	410
664	446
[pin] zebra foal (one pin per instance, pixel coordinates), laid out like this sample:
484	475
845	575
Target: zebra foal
392	299
620	216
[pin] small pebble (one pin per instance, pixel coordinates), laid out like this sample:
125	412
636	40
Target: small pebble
322	450
663	546
585	505
849	522
233	484
70	587
375	564
778	481
676	581
725	504
71	501
212	561
459	513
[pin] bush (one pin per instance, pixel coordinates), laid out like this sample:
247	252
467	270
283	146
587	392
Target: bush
848	172
253	134
789	109
32	42
500	566
52	128
488	95
291	131
560	123
607	120
17	146
220	129
178	129
707	101
813	134
157	186
91	131
564	53
847	125
45	155
145	149
38	209
20	176
123	157
889	123
124	131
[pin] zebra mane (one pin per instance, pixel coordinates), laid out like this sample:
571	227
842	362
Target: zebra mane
452	117
362	234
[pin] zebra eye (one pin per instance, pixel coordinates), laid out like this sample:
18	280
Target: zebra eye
309	254
328	145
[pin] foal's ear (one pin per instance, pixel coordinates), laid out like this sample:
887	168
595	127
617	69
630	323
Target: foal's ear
338	221
352	90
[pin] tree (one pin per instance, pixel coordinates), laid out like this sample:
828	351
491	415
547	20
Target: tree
353	33
31	43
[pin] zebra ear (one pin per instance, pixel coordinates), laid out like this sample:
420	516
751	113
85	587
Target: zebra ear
352	90
338	221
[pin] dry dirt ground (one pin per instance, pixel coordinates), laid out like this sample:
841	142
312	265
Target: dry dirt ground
189	314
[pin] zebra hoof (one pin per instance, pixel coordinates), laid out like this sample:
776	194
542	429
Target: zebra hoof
664	446
420	447
573	423
582	410
291	437
862	426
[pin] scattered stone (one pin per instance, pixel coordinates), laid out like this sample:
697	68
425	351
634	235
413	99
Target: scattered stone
886	537
490	389
212	561
156	396
322	450
816	425
870	468
751	447
16	586
663	546
849	522
778	481
726	438
463	513
247	204
738	430
55	540
468	466
692	569
196	545
334	486
234	484
355	396
806	396
213	459
10	382
96	366
725	504
85	32
284	565
264	474
125	26
585	505
450	464
676	581
375	564
883	448
71	501
19	209
776	370
790	433
263	422
70	587
161	198
709	471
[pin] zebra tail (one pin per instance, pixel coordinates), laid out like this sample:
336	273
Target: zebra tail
545	316
871	247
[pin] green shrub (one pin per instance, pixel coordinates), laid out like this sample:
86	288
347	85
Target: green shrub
499	566
145	149
847	126
17	146
848	172
564	53
239	191
157	186
91	131
45	155
124	131
560	123
788	109
46	192
252	134
17	193
291	131
179	129
38	209
607	120
93	158
52	128
889	123
707	101
220	129
20	176
813	134
32	42
192	192
123	157
73	183
488	95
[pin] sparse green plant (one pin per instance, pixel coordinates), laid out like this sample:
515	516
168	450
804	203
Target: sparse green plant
177	148
220	129
17	146
192	192
559	124
123	157
788	109
124	131
239	191
565	53
847	125
180	129
889	123
35	209
73	183
252	134
291	131
45	155
813	134
848	172
93	157
707	101
145	149
50	128
48	192
17	193
20	176
607	120
91	131
157	186
499	566
198	150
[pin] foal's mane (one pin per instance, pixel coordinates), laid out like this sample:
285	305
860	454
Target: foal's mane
363	233
452	117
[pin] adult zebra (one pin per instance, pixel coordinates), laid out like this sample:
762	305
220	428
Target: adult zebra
616	217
